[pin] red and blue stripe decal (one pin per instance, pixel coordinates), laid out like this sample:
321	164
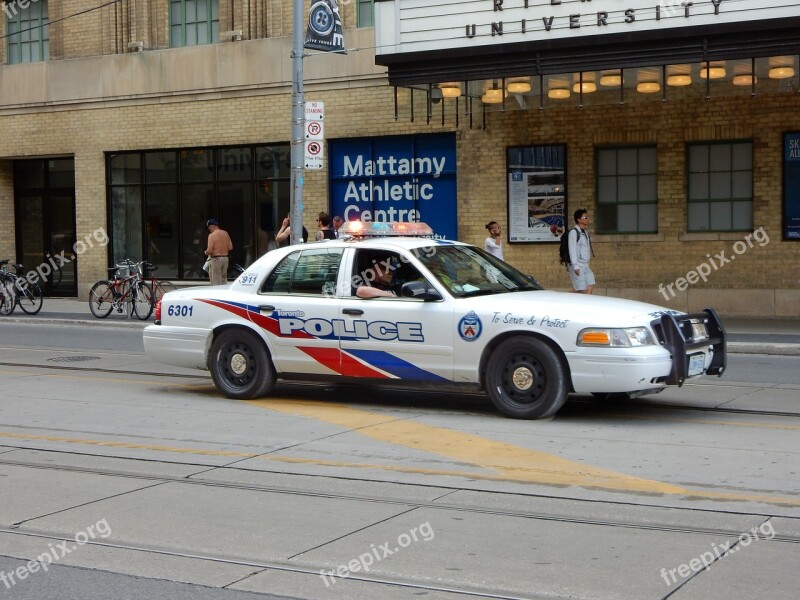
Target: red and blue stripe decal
374	364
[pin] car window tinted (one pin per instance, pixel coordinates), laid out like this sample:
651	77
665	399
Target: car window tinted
310	271
370	262
469	271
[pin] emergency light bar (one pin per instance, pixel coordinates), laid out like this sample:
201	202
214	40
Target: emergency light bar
362	229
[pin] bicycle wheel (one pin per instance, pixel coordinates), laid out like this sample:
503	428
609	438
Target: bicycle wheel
7	299
101	299
160	288
142	301
29	298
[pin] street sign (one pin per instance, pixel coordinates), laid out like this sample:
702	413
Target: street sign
315	111
314	130
314	154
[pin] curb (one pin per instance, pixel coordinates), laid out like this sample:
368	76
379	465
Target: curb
129	324
774	349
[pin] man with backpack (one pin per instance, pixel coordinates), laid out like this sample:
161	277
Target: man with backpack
577	252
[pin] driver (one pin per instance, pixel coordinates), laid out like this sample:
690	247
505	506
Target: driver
382	286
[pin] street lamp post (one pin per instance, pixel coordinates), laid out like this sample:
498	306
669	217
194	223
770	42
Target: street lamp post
298	113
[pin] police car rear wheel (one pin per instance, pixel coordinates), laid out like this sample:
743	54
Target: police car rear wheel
240	365
525	379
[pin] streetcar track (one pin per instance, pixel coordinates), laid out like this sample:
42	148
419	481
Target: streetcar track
277	566
416	504
442	393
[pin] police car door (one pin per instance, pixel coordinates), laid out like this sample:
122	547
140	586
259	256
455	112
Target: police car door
297	308
394	338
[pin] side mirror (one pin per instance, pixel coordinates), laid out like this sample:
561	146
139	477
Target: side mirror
420	290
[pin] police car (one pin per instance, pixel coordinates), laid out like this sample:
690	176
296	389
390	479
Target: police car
446	312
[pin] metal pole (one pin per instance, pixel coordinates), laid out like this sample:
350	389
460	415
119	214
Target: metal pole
298	115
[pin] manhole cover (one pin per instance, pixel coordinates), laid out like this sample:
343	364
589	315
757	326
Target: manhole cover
72	358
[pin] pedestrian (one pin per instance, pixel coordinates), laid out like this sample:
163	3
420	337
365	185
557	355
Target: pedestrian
219	247
580	252
324	228
493	245
337	223
285	232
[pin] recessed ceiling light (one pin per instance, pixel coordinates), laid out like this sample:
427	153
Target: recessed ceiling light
558	93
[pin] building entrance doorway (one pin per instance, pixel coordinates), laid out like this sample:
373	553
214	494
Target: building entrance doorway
44	194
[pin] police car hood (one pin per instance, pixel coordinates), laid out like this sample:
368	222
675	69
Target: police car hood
593	311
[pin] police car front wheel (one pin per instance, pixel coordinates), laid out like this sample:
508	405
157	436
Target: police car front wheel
240	365
526	379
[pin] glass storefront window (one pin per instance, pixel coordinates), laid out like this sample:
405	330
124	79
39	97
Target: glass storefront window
160	167
197	165
125	168
160	201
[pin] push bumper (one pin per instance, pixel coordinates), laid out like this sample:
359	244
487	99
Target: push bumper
677	335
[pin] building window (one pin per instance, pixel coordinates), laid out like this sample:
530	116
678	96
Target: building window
627	199
720	186
193	22
365	13
28	32
159	202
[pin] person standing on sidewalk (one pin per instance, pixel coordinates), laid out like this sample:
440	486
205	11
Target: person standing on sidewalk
580	253
219	246
492	244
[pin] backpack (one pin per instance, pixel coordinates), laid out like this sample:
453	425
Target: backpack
563	248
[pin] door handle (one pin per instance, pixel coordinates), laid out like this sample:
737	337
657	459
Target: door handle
352	311
265	307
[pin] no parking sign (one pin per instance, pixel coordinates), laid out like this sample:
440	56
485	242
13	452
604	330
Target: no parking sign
314	154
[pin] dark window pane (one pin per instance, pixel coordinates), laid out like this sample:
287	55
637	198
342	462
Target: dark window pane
160	167
29	174
197	165
161	248
234	164
197	207
125	168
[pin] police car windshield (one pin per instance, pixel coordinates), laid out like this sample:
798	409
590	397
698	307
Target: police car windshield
469	271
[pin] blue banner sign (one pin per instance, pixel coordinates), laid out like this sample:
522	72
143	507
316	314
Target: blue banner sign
791	186
395	179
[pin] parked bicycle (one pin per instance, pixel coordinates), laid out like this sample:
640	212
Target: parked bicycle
127	292
18	290
159	286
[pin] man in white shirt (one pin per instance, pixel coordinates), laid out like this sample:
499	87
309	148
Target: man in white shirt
493	245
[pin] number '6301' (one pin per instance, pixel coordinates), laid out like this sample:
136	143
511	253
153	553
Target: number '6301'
179	310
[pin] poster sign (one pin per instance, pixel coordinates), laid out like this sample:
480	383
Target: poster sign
791	186
394	179
324	31
537	193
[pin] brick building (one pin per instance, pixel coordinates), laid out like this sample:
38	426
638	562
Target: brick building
142	119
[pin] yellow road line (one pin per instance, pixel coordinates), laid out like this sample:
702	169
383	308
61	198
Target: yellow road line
511	463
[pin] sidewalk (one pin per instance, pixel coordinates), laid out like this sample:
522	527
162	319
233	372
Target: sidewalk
745	335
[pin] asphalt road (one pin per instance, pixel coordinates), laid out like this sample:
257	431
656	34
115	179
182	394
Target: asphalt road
177	491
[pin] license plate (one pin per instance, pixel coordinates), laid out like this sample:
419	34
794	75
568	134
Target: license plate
696	363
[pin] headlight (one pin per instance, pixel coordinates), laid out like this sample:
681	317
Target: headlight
699	331
616	338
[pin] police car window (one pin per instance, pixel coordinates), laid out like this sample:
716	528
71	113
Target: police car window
305	272
369	263
469	271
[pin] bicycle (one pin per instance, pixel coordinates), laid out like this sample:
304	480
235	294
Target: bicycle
159	286
18	290
123	292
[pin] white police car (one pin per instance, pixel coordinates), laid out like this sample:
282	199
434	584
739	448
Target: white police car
459	315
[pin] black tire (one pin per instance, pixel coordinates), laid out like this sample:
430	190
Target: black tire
240	365
142	301
161	288
101	299
526	379
30	298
